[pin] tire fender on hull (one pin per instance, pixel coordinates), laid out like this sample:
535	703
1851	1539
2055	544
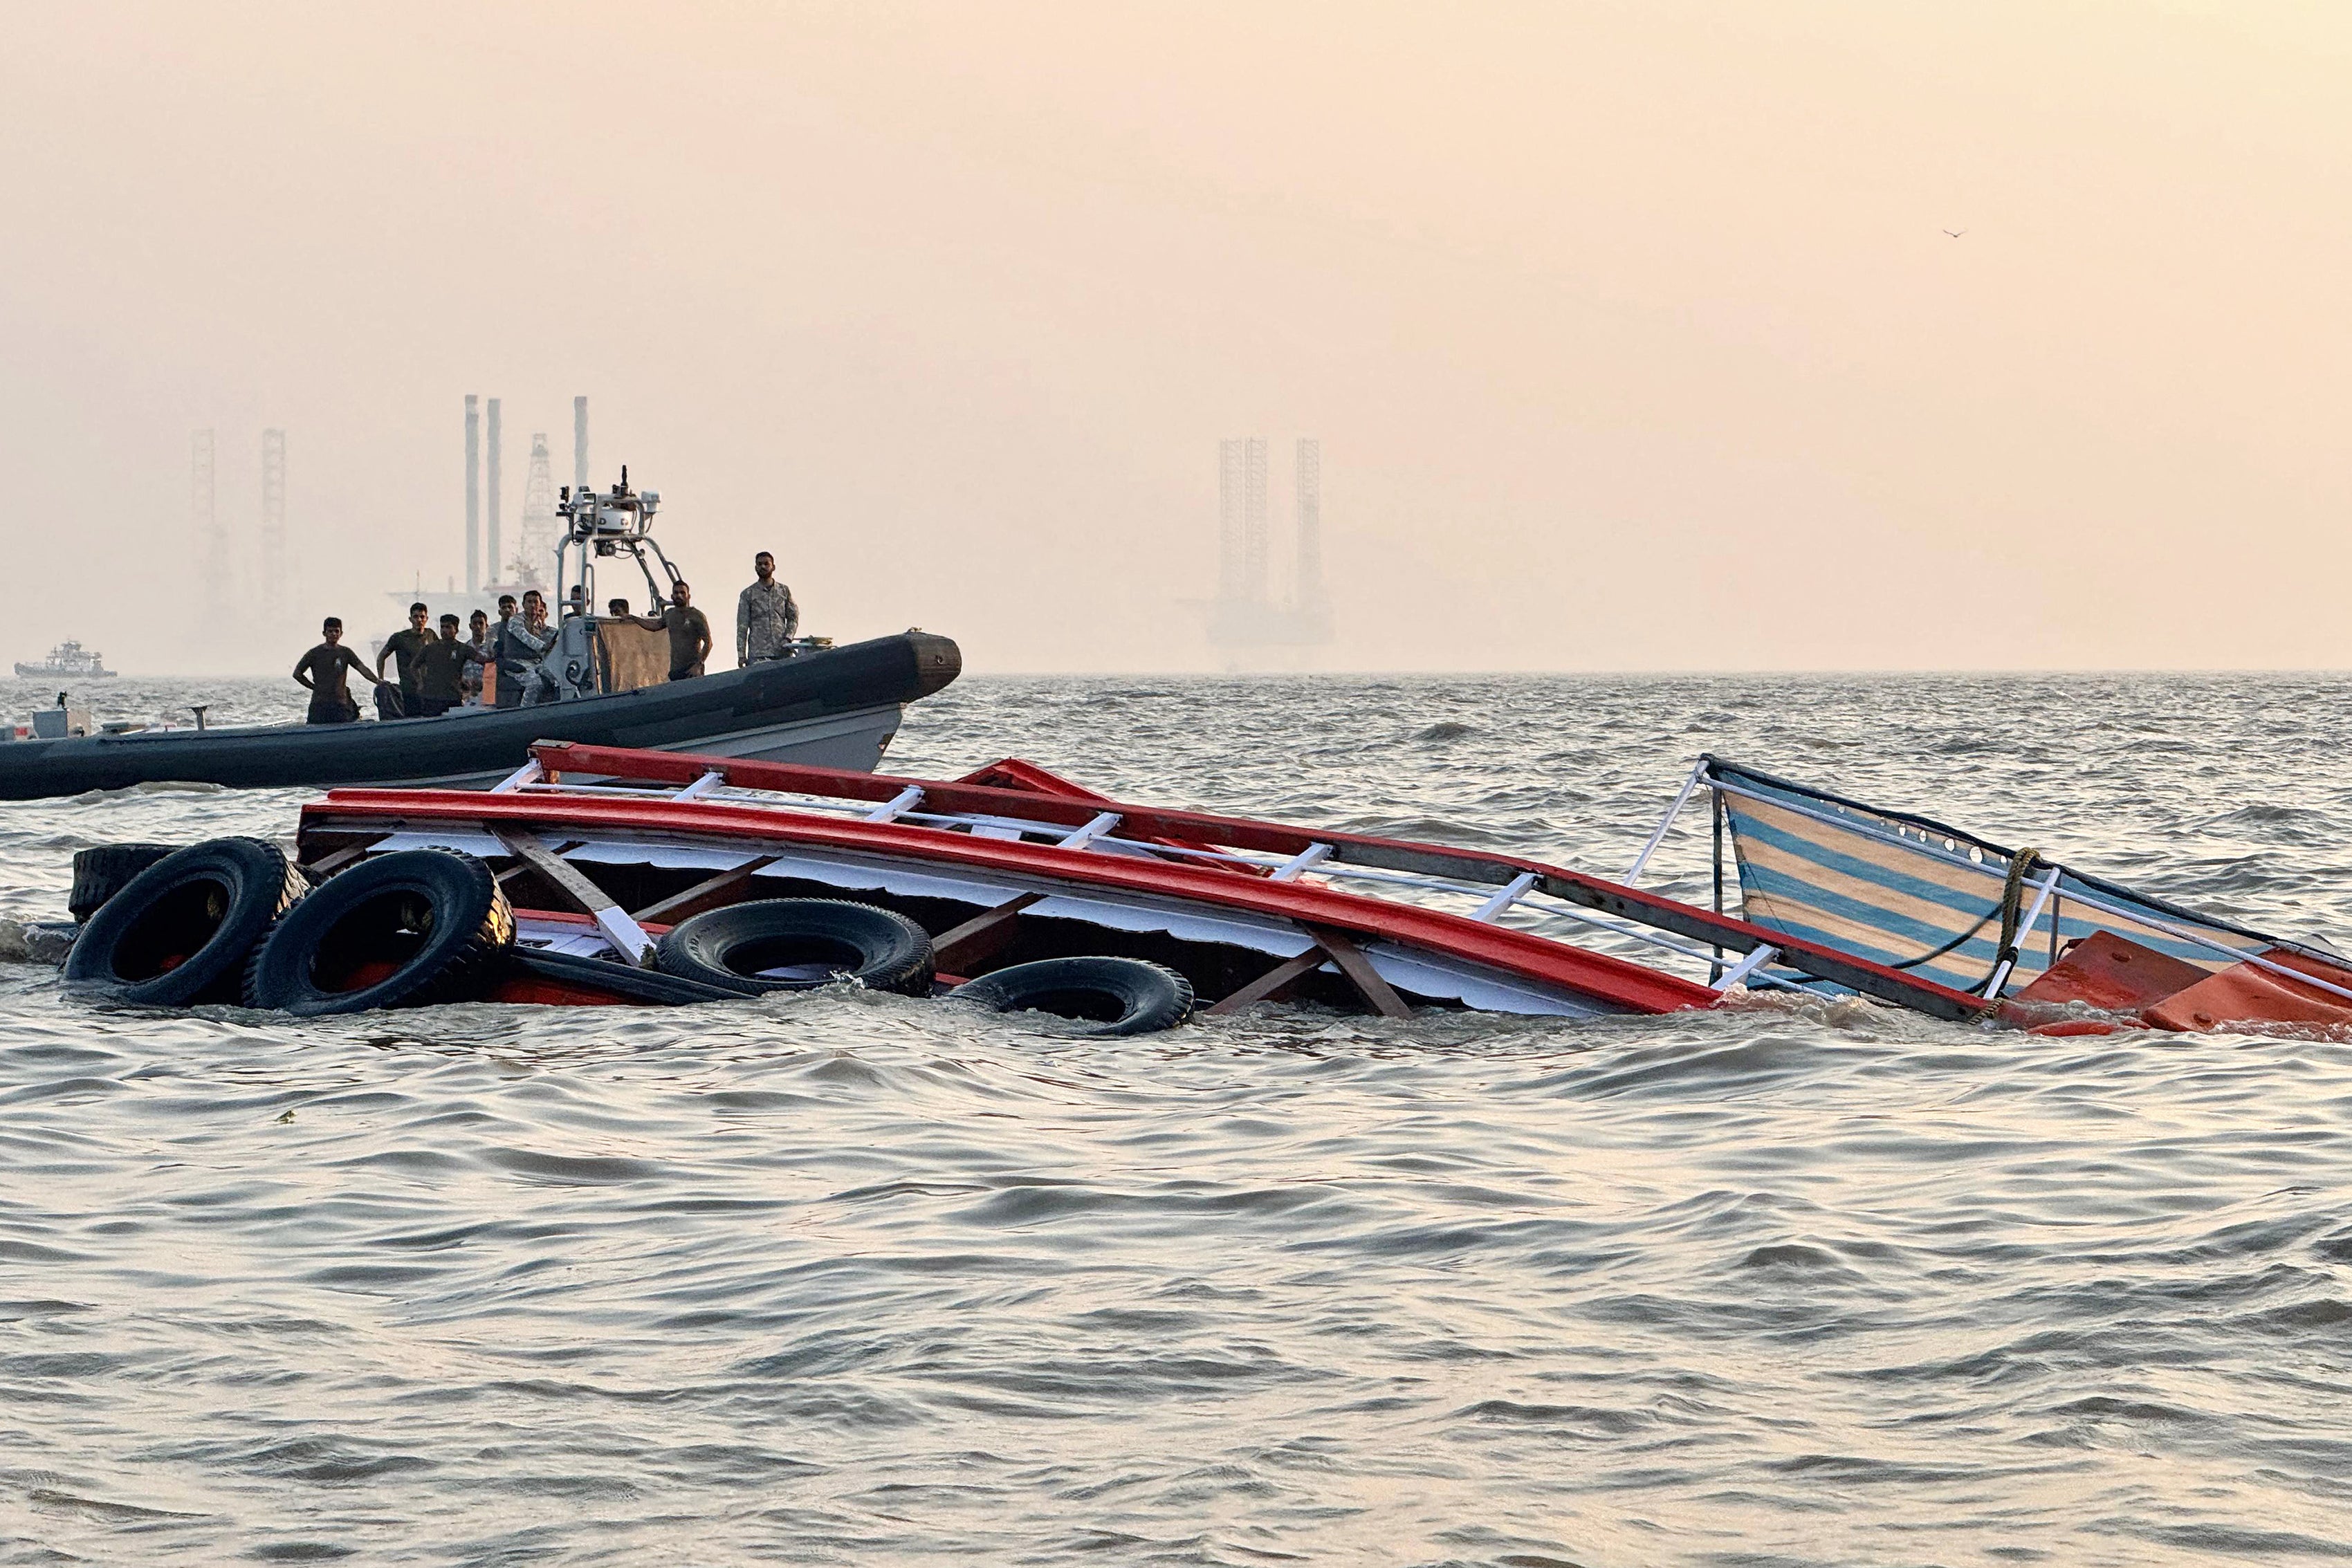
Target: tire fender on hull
799	945
407	929
1103	997
105	869
178	932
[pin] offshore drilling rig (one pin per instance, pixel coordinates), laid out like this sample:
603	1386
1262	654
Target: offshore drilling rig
1247	620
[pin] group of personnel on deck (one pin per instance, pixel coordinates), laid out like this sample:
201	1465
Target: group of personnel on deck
497	664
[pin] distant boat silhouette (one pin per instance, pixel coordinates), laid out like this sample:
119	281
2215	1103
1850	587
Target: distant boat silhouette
67	660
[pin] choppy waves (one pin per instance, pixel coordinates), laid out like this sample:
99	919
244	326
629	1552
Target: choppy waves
851	1278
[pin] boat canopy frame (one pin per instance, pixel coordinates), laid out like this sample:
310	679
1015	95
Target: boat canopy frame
2053	885
603	526
599	525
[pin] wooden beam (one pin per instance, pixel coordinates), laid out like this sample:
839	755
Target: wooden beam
1823	963
327	865
703	895
1281	977
1359	971
522	865
1330	947
982	936
619	929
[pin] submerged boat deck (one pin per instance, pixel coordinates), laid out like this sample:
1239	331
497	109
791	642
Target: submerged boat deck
1012	860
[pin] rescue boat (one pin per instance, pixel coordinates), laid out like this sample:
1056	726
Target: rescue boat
839	706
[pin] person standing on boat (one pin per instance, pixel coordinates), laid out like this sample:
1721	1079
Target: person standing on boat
325	672
528	640
441	671
405	645
505	672
618	610
689	633
470	683
766	618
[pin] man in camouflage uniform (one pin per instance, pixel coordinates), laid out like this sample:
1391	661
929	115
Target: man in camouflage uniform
766	618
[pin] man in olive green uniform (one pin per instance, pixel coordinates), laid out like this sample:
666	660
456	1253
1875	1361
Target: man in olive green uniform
325	672
405	645
441	671
689	633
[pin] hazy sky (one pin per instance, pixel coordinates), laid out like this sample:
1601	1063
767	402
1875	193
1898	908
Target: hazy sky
1631	331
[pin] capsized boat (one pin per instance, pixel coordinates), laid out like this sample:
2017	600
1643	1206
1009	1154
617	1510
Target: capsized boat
839	707
2036	943
599	874
603	849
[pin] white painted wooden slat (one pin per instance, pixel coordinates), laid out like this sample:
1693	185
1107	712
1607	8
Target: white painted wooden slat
1756	958
1505	896
1698	770
898	804
1080	838
1313	854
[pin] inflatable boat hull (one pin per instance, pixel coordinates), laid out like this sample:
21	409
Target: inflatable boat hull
837	709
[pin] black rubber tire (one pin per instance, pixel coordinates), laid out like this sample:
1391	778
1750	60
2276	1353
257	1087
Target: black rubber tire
436	916
178	932
638	984
823	940
106	869
1102	996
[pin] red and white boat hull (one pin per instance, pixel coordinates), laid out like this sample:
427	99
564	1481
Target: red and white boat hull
1013	863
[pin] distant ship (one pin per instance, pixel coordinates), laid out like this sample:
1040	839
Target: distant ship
69	661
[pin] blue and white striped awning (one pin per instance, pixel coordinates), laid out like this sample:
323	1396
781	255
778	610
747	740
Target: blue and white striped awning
1896	888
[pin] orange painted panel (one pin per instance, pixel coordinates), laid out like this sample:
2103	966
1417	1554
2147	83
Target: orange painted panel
2107	972
544	992
2244	994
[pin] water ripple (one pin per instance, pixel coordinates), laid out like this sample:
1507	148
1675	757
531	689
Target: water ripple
842	1277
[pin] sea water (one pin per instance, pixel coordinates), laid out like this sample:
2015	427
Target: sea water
840	1278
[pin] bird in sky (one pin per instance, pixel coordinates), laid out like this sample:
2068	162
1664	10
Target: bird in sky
1956	233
